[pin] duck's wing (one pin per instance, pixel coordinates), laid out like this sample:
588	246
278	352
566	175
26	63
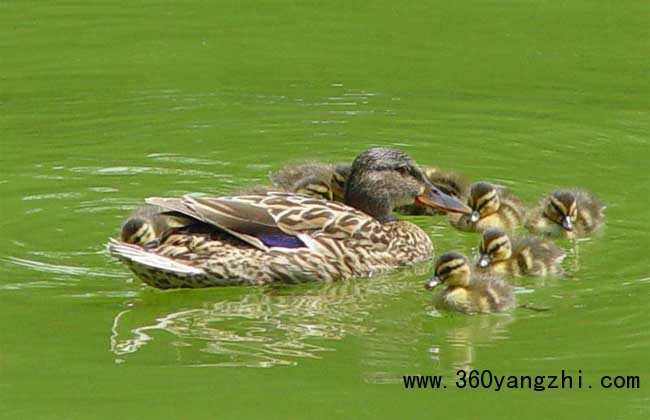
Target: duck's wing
262	220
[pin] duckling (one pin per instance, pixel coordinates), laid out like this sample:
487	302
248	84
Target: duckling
339	178
492	206
466	291
568	213
146	225
314	187
450	183
288	176
518	256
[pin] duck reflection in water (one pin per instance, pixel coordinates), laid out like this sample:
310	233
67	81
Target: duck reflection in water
251	327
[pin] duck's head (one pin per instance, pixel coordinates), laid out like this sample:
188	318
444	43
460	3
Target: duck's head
339	178
138	231
495	246
562	208
381	179
313	186
452	269
483	199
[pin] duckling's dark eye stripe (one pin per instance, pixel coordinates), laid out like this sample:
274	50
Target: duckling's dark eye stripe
449	269
557	208
495	248
483	204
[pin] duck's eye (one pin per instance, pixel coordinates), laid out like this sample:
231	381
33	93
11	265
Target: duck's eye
404	171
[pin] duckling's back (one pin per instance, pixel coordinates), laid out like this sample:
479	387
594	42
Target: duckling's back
536	256
590	212
486	294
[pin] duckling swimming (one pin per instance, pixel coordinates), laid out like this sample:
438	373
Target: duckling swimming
314	179
339	178
146	225
466	291
518	256
568	213
492	206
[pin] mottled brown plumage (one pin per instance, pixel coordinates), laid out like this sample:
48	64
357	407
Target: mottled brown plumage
567	213
503	254
466	291
284	237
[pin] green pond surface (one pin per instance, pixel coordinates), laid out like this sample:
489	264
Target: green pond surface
105	103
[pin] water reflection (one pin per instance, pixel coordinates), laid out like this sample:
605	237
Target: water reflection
258	328
438	344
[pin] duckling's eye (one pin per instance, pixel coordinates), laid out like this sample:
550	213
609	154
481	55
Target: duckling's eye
404	171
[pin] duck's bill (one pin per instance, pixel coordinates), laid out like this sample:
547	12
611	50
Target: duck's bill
434	198
435	281
567	224
483	261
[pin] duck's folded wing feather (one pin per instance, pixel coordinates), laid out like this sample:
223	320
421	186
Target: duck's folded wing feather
270	214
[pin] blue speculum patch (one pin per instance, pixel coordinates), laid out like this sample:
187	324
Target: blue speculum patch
281	241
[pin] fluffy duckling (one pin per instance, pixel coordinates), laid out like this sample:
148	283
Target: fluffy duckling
288	176
518	256
339	178
146	225
568	213
450	183
466	291
492	206
315	179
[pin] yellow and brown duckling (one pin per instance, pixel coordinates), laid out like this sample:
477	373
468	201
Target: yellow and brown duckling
146	225
450	183
291	238
468	291
507	255
314	179
492	206
567	213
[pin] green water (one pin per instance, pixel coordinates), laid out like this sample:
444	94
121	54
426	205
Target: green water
102	104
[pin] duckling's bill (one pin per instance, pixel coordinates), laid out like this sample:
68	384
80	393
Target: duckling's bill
434	198
483	261
432	283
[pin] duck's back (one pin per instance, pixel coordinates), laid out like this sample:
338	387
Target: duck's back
277	237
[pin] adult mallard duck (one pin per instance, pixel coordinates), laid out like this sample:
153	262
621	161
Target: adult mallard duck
284	237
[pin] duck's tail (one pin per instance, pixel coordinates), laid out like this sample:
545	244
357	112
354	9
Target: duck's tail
133	254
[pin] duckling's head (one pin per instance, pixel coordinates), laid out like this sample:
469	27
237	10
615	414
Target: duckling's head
382	179
562	208
452	269
339	178
495	246
138	231
313	186
483	199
